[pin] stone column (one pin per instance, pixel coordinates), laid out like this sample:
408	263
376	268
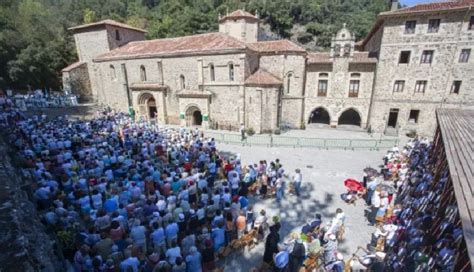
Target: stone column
200	74
160	72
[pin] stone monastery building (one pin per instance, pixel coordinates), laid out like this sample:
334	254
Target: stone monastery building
413	61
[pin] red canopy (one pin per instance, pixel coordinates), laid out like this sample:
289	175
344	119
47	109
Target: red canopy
353	185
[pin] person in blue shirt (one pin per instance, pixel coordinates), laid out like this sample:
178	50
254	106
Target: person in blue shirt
281	260
218	236
193	260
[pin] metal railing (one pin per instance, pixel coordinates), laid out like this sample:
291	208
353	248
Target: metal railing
298	142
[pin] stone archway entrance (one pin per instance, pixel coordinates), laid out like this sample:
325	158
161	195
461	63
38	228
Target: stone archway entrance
349	117
147	106
319	116
193	116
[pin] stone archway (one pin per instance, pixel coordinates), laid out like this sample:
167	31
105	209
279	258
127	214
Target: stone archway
193	116
349	117
147	106
319	116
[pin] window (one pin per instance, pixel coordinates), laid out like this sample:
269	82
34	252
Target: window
471	23
413	118
464	57
410	27
456	87
398	86
404	57
113	75
420	86
212	72
142	73
231	72
355	75
433	25
337	50
322	87
117	35
288	82
182	82
427	56
347	49
354	88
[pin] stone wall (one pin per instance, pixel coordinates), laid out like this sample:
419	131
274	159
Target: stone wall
240	29
447	43
91	43
25	246
77	81
196	71
339	73
261	108
292	100
126	36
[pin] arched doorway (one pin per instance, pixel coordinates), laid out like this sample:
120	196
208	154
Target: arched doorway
147	106
349	117
319	116
151	106
193	116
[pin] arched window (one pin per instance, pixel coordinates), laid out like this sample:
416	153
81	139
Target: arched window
289	78
142	73
117	35
113	76
355	75
323	75
212	73
182	82
231	71
347	49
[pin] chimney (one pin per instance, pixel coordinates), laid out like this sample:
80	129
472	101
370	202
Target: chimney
393	5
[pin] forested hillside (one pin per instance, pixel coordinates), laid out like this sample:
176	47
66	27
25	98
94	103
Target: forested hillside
35	44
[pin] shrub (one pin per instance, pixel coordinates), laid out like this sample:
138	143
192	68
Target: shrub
250	131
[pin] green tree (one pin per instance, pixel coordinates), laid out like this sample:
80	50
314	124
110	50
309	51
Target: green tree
89	16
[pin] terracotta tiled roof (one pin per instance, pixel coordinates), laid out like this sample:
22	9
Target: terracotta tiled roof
363	57
107	22
276	46
73	66
319	58
195	44
239	14
437	6
262	78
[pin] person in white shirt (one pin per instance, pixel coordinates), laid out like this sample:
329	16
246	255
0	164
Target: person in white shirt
297	178
376	202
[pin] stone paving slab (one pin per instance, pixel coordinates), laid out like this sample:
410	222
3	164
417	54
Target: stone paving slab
321	190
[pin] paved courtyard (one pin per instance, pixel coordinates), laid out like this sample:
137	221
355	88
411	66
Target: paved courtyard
323	174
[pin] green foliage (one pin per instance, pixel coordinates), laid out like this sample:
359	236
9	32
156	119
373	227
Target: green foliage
89	16
35	44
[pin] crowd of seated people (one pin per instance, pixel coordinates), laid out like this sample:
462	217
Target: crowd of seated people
414	231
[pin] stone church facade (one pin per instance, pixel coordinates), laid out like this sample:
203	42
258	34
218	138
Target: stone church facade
224	79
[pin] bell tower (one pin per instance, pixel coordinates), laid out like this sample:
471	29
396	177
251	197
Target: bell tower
241	25
343	44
